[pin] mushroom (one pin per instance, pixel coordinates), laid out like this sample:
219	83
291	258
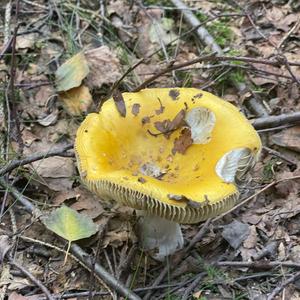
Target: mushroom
175	155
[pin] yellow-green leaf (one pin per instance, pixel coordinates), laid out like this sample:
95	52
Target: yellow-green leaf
71	73
69	224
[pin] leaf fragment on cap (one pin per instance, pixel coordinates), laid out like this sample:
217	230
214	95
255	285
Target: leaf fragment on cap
201	121
232	162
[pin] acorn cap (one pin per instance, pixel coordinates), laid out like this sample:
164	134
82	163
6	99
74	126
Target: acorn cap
175	153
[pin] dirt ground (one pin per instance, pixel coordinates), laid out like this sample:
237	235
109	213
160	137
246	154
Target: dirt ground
61	60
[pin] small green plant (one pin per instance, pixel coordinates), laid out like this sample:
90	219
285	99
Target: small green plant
268	171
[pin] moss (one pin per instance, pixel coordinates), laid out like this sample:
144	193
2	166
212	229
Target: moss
219	29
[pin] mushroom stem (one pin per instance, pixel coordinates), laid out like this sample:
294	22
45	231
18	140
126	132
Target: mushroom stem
160	234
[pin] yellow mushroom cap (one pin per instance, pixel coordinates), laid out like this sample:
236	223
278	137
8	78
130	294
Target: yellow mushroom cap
131	159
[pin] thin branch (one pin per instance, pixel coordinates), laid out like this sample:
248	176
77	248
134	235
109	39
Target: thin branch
274	121
21	162
279	288
11	94
278	154
260	265
36	281
214	58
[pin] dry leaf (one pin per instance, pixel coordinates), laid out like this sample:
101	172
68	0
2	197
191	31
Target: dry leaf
71	73
55	172
288	138
104	67
183	142
166	126
77	100
26	41
236	233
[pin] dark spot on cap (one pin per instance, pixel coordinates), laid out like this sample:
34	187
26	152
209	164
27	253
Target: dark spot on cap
145	120
174	94
198	96
141	180
135	109
86	130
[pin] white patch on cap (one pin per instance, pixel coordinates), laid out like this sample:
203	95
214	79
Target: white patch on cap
150	169
234	164
201	121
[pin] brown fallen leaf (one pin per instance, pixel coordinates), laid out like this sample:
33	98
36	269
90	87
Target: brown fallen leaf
288	138
104	67
120	103
55	172
166	126
77	100
183	142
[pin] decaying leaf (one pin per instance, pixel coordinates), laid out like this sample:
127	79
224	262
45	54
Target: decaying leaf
183	142
120	103
289	138
26	41
235	233
166	126
76	100
71	73
104	67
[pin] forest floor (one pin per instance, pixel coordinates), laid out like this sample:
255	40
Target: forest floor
246	52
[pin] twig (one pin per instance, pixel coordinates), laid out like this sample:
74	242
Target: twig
257	264
129	70
31	240
75	249
284	284
273	121
211	57
11	101
32	278
190	288
100	271
21	162
278	154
